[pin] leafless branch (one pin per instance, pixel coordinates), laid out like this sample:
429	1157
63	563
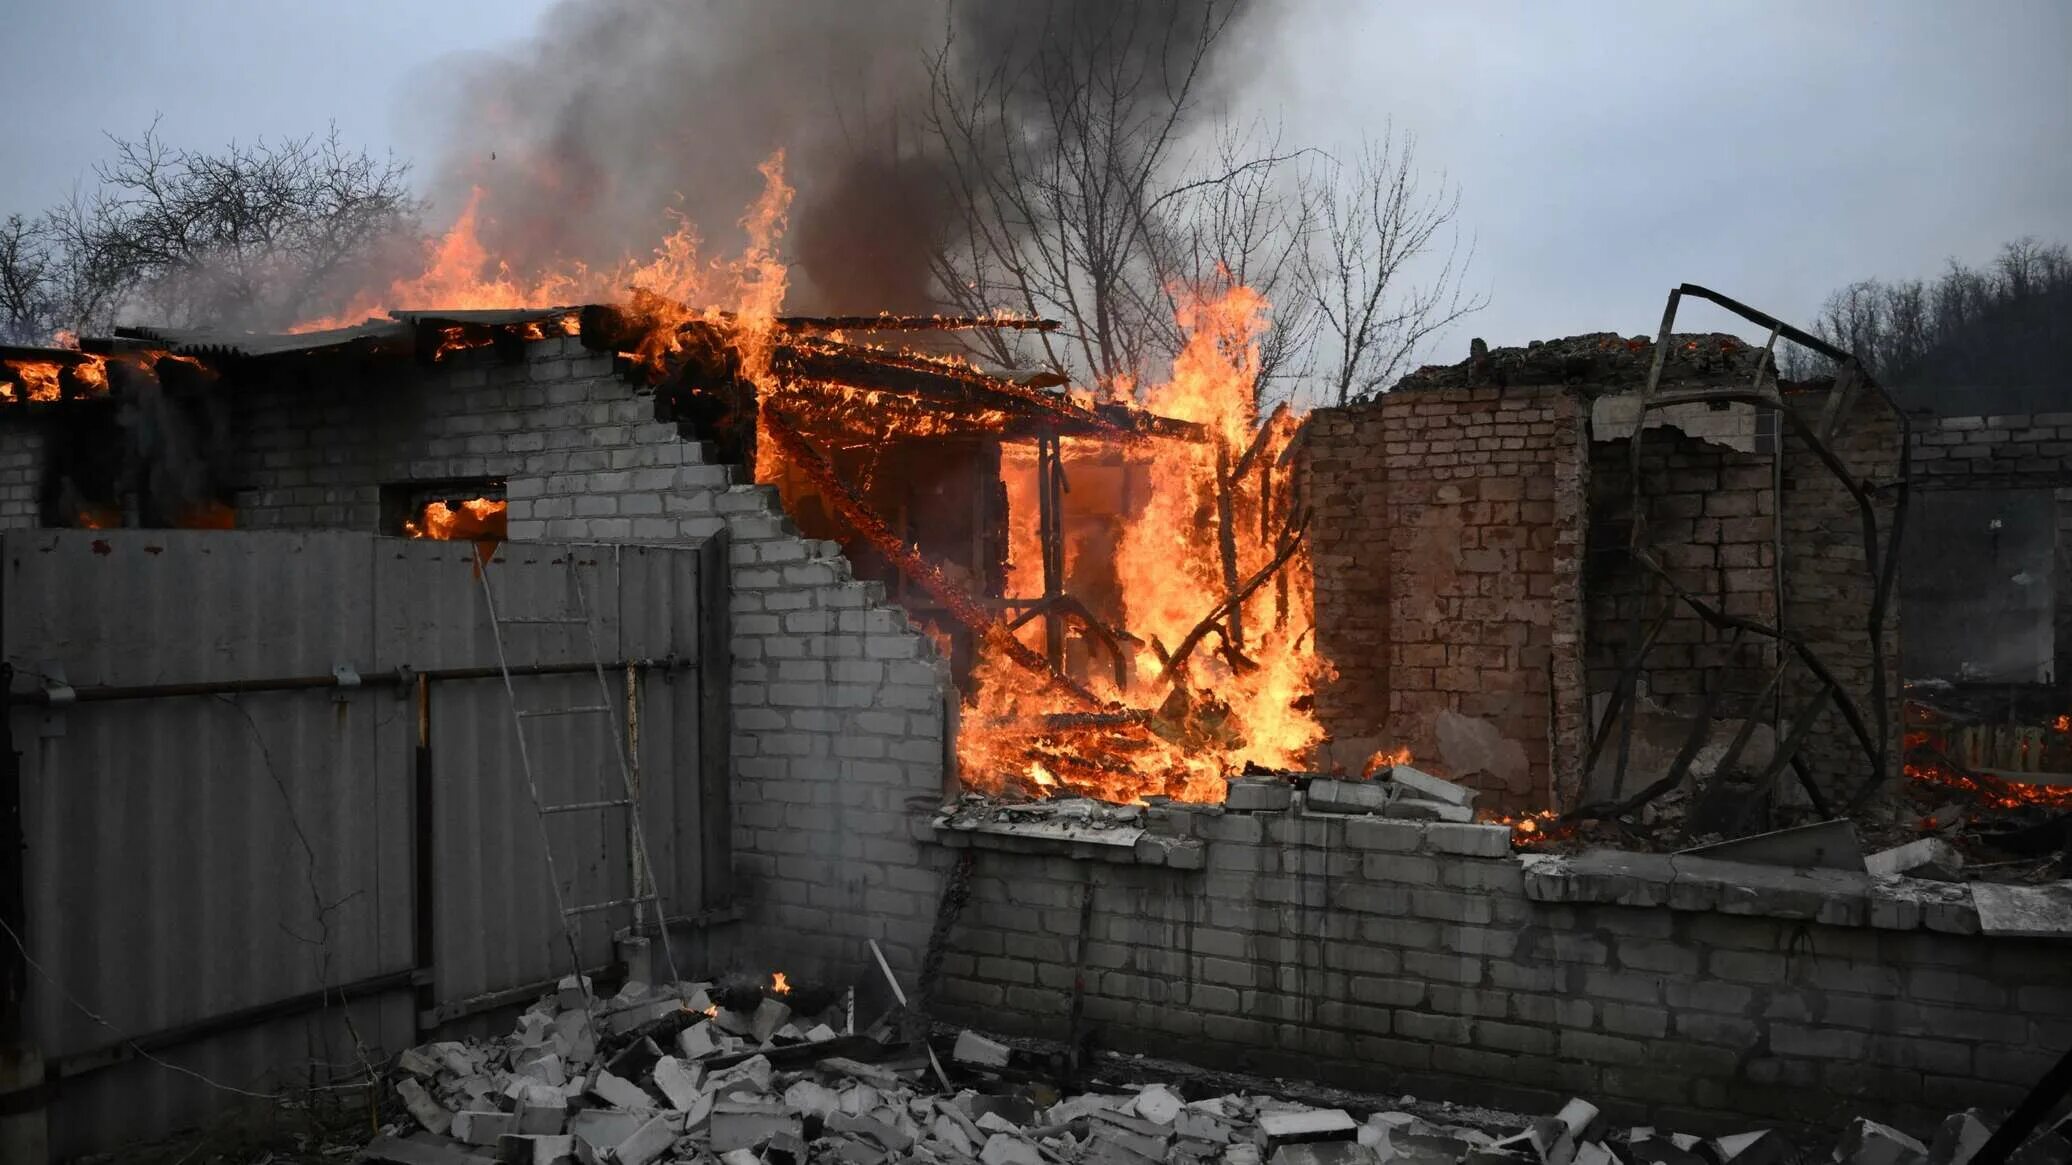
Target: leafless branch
1376	224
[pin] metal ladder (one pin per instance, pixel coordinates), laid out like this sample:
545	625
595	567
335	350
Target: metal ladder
644	867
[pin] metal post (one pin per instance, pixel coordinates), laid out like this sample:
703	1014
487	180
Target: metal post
1050	531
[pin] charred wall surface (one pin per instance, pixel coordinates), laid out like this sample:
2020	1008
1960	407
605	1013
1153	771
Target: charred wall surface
837	703
1710	520
1829	583
2016	455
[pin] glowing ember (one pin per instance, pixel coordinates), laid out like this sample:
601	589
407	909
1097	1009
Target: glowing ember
474	520
207	516
1531	829
1926	762
779	985
1384	760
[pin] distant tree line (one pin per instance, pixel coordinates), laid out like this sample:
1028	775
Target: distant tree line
1987	326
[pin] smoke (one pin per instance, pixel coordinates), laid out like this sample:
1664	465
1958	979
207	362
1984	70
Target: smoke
621	113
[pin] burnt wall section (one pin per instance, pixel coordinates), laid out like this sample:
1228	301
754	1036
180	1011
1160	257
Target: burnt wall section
1459	558
2012	455
1393	956
1830	584
1710	520
837	703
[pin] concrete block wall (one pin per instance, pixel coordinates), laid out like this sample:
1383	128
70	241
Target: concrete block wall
22	445
1396	957
838	703
1474	551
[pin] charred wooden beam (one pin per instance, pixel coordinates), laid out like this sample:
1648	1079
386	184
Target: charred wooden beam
921	572
893	323
1289	543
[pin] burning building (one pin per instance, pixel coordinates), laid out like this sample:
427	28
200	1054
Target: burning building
1145	650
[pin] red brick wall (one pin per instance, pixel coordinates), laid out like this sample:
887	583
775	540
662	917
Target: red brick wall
1447	573
1349	543
1711	523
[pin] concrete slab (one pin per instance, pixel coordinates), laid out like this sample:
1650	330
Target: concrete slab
2028	911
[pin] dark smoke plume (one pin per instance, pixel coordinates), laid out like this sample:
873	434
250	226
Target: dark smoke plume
620	112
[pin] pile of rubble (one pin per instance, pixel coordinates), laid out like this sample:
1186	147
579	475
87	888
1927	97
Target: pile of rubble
738	1075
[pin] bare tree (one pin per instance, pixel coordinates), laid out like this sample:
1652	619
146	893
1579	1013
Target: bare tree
1252	227
1061	157
1911	330
1376	223
257	236
28	280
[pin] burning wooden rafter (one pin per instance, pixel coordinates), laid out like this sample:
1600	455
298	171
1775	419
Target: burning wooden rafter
1292	540
803	357
924	574
914	323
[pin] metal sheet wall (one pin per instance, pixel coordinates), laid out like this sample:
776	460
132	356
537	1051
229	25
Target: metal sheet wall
191	857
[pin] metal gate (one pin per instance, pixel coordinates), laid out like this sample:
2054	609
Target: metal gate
272	824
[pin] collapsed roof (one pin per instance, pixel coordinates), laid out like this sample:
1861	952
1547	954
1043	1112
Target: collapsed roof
813	355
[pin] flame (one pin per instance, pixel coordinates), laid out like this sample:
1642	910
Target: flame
1180	736
98	518
712	1012
672	286
31	380
779	985
1529	830
42	381
1384	760
473	520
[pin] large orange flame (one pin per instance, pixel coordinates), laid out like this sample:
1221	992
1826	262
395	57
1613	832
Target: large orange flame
673	285
473	520
1187	733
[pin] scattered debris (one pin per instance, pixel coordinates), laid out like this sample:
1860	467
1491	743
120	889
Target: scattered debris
549	1095
1927	857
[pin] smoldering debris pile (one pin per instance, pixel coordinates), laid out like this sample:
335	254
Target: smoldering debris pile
744	1075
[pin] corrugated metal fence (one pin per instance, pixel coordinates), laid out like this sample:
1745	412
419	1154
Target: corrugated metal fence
273	820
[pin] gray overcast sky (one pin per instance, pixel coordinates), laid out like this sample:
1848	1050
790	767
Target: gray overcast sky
1605	151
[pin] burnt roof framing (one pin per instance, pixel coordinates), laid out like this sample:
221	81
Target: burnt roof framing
1881	557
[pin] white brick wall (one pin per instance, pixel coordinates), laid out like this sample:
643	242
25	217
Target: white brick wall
838	703
21	474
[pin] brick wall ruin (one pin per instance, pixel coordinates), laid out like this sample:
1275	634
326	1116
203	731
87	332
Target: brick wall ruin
1394	956
1480	479
1468	504
837	704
